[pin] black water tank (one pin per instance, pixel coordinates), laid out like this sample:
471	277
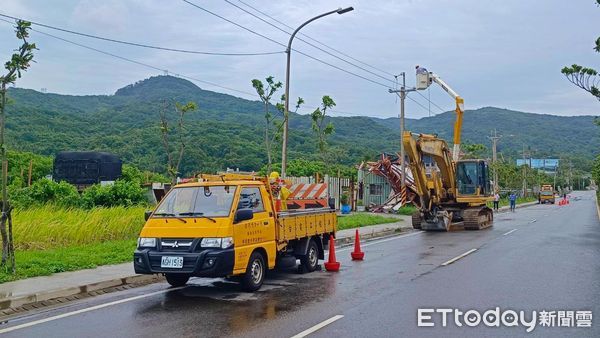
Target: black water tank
86	167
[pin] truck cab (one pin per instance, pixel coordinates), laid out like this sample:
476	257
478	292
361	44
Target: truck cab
546	194
221	228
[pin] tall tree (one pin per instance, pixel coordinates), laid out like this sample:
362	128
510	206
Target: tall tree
265	95
474	150
322	129
174	153
584	77
19	62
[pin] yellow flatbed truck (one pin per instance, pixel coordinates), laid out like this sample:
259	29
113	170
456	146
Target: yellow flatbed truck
228	226
546	194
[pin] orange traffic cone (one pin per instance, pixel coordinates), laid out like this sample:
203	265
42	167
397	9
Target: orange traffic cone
332	264
357	254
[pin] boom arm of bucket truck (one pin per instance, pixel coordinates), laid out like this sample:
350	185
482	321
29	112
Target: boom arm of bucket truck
424	79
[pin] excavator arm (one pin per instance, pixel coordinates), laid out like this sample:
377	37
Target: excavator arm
436	186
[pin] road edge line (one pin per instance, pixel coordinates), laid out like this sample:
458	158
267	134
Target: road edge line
318	326
84	310
448	262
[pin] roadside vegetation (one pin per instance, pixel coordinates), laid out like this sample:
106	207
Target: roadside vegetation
407	210
50	226
520	200
358	220
33	263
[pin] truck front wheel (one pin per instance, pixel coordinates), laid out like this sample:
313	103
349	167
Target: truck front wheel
310	261
177	279
255	273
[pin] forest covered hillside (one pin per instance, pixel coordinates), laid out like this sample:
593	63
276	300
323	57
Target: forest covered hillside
228	131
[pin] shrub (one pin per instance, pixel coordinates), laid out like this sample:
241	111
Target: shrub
133	174
121	193
46	191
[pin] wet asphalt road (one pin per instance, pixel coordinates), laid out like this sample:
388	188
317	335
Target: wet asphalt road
550	262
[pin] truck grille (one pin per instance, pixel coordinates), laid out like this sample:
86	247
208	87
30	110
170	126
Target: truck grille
177	245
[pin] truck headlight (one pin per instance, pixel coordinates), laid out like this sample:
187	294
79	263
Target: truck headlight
210	242
146	242
227	242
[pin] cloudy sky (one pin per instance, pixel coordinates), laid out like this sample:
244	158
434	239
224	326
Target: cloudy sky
494	53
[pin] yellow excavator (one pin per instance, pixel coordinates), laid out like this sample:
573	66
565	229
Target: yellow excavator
453	193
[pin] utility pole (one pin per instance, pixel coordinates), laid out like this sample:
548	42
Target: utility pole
570	176
402	93
495	137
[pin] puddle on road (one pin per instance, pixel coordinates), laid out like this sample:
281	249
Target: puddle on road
231	311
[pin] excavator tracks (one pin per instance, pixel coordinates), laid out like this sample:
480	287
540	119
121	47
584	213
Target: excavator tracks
478	218
416	220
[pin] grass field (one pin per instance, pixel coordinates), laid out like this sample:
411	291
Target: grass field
48	227
33	263
362	219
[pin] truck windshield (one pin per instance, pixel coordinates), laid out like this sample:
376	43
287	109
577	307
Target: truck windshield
207	201
547	193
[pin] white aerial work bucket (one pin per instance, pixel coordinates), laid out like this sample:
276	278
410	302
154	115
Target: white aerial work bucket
423	80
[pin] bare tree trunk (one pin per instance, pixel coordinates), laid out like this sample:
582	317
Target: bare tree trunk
11	247
5	238
267	140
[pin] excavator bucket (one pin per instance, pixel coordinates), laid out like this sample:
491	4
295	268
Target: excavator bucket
441	221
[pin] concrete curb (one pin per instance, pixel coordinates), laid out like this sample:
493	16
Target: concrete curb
506	208
21	301
375	234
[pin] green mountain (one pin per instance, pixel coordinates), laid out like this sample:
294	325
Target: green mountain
228	131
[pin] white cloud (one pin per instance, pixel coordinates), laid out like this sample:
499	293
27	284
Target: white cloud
506	53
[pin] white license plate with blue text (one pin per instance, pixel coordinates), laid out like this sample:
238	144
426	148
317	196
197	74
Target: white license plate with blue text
171	262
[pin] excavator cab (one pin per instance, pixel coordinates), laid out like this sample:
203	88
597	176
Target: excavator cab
472	178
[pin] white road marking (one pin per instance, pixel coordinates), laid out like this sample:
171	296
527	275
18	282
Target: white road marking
88	309
318	326
380	241
510	232
532	221
458	257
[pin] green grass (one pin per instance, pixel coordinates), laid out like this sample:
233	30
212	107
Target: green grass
34	263
362	219
407	210
520	200
50	226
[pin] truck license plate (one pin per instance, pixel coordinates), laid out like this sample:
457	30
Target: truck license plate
171	262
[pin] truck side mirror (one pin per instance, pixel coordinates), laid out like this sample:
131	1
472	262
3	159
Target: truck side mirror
147	214
243	215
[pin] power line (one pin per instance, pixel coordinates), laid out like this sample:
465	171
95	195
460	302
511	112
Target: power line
140	44
281	44
166	71
308	43
137	62
315	40
433	103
